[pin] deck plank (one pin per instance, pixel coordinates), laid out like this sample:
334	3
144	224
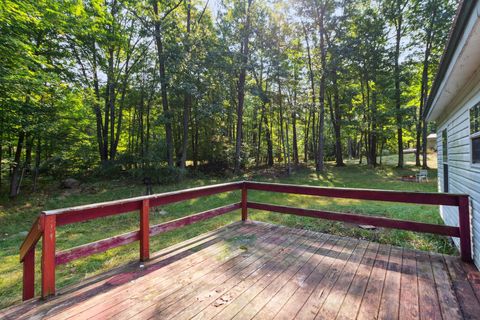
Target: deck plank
335	298
448	301
259	278
203	300
409	308
96	285
261	271
469	303
331	250
390	301
156	290
428	299
313	304
278	291
172	303
174	276
351	303
371	297
169	264
473	276
283	266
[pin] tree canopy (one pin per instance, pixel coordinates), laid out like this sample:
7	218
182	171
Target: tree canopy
150	88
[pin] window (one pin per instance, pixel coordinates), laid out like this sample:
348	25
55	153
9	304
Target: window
445	159
475	132
475	119
444	146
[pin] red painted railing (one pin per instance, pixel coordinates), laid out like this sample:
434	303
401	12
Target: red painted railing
45	226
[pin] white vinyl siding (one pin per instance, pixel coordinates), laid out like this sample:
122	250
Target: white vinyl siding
463	176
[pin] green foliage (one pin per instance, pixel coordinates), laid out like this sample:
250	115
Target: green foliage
81	80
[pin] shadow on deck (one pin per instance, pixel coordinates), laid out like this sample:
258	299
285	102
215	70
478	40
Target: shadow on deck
263	271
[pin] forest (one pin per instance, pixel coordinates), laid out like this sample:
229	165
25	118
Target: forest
160	89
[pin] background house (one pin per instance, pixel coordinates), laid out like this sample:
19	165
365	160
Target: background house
454	103
432	142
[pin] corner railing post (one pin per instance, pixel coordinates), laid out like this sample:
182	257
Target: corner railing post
29	275
48	255
464	225
145	231
244	202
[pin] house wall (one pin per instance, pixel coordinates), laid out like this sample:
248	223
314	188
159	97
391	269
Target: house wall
463	177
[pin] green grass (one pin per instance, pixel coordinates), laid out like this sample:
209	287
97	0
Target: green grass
17	216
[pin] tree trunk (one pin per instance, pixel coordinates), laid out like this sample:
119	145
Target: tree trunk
295	142
28	151
259	138
374	133
397	86
38	153
424	145
305	142
268	137
244	49
111	102
337	121
97	111
187	99
421	126
16	168
321	120
421	137
314	100
163	85
283	134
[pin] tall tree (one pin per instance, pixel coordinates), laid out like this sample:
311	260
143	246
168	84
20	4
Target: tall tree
244	53
395	14
159	18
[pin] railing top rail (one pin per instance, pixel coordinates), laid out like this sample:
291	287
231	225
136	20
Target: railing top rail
353	193
199	190
431	198
31	239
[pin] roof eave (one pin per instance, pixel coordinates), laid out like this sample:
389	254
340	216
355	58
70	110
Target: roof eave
461	21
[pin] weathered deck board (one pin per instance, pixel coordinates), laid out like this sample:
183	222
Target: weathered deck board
162	274
184	303
352	301
390	303
161	284
409	287
428	298
261	271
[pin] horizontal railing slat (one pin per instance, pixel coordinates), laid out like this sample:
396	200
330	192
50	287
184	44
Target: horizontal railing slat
174	224
360	219
113	242
96	247
360	194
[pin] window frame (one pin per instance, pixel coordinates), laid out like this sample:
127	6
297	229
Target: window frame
444	137
473	135
445	166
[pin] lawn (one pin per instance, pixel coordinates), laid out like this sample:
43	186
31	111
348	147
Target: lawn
17	216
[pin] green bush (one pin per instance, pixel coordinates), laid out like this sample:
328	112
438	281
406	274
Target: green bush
160	174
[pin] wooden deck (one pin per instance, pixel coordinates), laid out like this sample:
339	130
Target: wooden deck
261	271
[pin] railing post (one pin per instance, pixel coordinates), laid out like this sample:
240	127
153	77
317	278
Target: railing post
29	275
464	225
244	202
48	255
145	231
